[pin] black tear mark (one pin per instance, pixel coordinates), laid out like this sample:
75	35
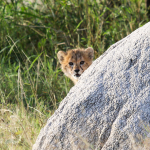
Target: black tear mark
81	67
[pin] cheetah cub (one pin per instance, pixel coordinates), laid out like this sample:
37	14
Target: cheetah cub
75	62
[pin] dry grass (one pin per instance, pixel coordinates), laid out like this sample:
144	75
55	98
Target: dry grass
19	129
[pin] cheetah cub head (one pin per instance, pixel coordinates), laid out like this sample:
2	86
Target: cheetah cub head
75	62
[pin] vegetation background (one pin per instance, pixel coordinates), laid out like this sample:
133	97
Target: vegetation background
31	33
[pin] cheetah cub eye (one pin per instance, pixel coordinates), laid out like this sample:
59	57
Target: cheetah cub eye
71	63
82	62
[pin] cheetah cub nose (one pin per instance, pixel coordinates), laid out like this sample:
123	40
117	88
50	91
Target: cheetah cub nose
77	70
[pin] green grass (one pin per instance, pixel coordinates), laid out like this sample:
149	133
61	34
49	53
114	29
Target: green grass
31	82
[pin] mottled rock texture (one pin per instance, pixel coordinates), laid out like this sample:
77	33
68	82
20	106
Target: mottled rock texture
110	105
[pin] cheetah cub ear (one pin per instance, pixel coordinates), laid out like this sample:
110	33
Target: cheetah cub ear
61	55
90	52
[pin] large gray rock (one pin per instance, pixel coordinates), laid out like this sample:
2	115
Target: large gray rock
109	107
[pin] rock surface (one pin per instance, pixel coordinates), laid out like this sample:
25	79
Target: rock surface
109	107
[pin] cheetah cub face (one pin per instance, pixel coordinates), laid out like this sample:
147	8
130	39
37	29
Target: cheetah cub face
75	62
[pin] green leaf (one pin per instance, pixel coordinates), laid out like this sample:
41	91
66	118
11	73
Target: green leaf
34	62
78	26
4	49
12	47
